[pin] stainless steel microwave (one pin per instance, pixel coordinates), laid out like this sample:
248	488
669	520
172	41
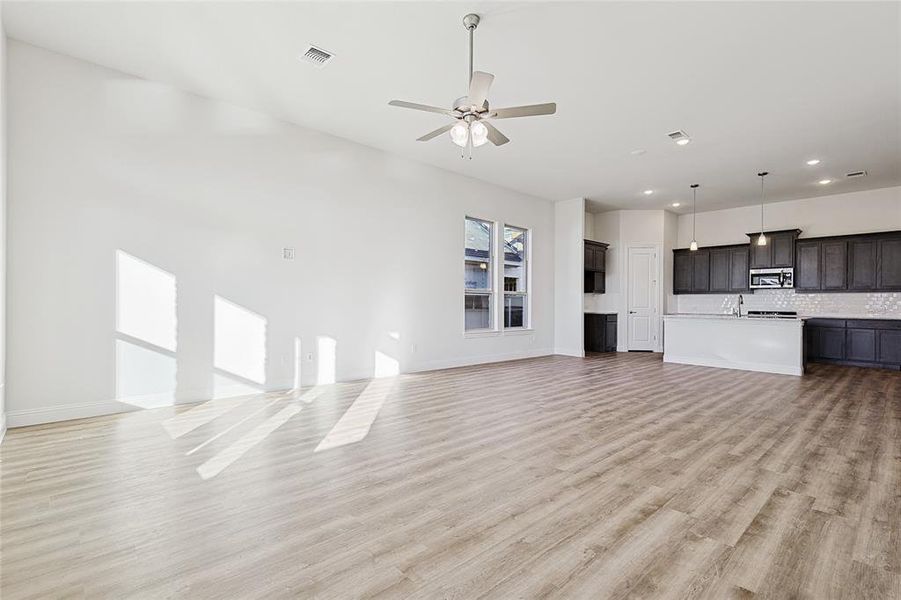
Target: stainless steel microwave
772	278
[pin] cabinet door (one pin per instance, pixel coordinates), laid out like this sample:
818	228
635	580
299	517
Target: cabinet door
682	272
835	265
862	265
610	334
807	273
888	256
831	343
738	274
701	271
889	346
783	250
761	256
720	269
588	258
861	345
594	333
600	259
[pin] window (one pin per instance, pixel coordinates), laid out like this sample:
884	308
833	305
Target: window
478	288
515	272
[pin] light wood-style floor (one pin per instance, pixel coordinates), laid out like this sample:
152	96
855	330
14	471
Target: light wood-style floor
611	477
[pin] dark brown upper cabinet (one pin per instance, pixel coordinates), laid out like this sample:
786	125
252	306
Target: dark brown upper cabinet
718	269
595	266
807	265
779	251
835	265
888	259
851	263
861	265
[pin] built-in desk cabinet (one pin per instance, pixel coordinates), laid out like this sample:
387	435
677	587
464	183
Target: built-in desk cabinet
600	332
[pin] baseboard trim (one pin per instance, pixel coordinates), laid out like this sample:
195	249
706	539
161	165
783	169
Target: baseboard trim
740	366
53	414
434	365
576	352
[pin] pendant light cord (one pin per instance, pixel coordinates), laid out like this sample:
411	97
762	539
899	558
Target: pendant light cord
762	174
694	210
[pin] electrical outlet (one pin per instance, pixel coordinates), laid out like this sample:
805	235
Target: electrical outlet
288	253
413	348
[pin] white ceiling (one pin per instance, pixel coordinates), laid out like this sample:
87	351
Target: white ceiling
756	85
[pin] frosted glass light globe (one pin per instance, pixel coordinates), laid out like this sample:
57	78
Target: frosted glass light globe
459	134
479	133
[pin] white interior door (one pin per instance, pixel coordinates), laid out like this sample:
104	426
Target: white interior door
641	321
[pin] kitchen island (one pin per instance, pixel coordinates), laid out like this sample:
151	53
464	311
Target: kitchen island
731	342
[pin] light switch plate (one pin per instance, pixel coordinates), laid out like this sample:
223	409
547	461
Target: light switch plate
288	253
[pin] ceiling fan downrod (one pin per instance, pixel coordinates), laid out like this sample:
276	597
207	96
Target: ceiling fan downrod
470	21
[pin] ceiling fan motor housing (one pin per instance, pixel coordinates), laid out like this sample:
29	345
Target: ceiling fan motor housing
464	106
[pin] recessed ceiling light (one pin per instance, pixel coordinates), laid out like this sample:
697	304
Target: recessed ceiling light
682	142
676	205
648	192
813	161
825	181
638	152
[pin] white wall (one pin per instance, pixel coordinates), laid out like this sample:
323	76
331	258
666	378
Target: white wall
2	228
857	212
569	282
191	201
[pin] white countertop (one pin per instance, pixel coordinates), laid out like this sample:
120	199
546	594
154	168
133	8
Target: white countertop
729	317
722	317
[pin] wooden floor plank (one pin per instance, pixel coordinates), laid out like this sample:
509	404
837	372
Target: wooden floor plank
614	476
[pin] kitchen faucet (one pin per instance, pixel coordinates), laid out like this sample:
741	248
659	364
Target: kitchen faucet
741	300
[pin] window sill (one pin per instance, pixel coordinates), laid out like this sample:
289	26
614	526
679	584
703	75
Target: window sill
519	331
481	333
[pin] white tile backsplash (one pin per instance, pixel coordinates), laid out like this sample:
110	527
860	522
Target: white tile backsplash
886	304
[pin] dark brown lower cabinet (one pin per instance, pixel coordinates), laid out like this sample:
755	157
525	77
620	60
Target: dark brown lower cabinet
857	342
600	332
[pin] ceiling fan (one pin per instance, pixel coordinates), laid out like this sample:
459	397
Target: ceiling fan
472	113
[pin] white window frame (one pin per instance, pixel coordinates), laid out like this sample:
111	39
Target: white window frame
527	274
490	292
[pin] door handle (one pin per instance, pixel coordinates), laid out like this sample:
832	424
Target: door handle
632	312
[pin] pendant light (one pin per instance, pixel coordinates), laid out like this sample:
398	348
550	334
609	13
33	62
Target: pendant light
694	216
761	241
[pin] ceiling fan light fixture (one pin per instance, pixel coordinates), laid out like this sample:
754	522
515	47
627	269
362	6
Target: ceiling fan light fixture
479	133
459	134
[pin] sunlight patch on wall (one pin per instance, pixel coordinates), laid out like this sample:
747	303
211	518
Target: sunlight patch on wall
145	301
239	341
326	360
385	366
144	377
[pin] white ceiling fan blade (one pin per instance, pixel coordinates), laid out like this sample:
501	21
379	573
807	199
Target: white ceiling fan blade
523	111
494	136
479	86
437	132
425	107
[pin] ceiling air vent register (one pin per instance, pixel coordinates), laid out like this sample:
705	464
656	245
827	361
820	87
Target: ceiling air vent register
853	174
317	56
